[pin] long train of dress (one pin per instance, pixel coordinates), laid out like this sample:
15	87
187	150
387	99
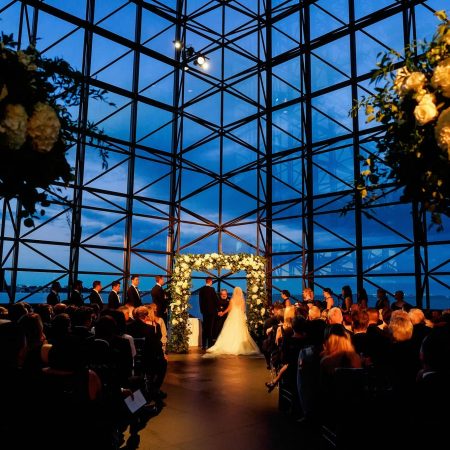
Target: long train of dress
234	339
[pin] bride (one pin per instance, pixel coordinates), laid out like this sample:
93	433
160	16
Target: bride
234	339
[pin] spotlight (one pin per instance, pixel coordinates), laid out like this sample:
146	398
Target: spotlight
178	45
201	60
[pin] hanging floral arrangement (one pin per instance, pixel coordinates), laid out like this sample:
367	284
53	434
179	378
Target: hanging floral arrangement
36	128
413	151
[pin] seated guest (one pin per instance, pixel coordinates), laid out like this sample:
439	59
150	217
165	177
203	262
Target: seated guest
154	361
161	323
360	322
127	310
420	328
59	308
16	311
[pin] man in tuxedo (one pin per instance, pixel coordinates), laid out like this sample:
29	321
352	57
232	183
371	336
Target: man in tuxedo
133	294
113	297
159	298
208	300
76	298
94	296
222	305
53	297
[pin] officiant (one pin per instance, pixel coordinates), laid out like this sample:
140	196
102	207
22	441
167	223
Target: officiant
222	305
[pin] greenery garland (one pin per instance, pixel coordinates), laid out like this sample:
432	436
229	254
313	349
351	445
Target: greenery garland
180	292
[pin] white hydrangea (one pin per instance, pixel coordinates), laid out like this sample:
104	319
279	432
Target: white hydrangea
43	127
14	126
174	321
258	302
255	289
254	297
263	311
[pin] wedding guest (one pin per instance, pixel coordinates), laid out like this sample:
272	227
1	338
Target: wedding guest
59	308
362	298
113	297
162	324
347	298
308	296
285	296
95	297
382	299
53	297
400	302
328	298
3	314
128	312
16	311
133	295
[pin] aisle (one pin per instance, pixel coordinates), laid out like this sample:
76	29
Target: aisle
218	404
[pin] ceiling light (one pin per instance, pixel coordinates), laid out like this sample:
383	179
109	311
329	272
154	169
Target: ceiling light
178	45
201	60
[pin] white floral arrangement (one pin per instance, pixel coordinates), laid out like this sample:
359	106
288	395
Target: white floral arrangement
414	106
36	128
181	284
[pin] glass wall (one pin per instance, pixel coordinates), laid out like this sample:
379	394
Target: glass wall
257	153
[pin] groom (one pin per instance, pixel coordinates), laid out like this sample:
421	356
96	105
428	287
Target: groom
207	297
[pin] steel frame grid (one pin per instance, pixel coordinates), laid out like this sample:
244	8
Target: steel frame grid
305	153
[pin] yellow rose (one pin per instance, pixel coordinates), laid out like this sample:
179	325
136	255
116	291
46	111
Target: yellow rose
442	131
441	77
415	81
426	110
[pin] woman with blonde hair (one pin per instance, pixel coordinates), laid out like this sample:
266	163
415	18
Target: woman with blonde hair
153	314
234	339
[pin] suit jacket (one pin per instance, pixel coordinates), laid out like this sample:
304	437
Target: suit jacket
76	298
94	297
134	297
159	298
53	298
113	300
207	297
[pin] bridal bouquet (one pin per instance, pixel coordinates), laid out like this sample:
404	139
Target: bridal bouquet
36	128
413	151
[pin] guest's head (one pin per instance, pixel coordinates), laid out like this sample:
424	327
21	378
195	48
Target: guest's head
59	308
82	317
45	311
338	340
374	316
360	320
223	294
308	295
159	280
208	281
16	311
33	328
78	285
314	313
106	328
346	291
400	326
153	311
140	313
416	316
60	326
97	285
126	312
285	294
335	316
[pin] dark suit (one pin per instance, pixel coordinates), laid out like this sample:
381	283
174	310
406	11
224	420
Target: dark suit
207	297
134	297
94	297
53	298
222	305
113	300
159	299
76	298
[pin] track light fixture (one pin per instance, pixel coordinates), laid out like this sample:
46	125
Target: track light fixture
190	55
178	45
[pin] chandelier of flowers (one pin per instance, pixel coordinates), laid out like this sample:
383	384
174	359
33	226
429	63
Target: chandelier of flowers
181	283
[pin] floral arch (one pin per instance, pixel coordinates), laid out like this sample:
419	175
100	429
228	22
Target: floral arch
181	283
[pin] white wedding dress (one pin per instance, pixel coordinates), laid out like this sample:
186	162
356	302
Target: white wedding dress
234	339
